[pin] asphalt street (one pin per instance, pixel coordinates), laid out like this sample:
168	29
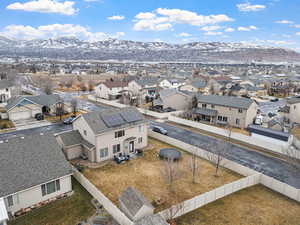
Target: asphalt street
270	166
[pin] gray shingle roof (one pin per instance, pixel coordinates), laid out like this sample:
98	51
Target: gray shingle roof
152	220
269	132
72	138
294	100
5	84
43	100
133	200
228	101
30	161
150	81
98	120
198	83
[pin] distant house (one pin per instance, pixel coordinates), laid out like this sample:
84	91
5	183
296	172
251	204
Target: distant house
172	98
33	170
6	87
111	89
171	83
146	86
103	134
195	85
291	111
26	107
225	110
134	204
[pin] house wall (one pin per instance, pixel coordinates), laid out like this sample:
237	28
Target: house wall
134	87
294	115
81	125
73	152
102	91
24	112
33	195
107	140
251	114
6	94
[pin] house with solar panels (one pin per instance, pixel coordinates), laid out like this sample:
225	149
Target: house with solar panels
101	135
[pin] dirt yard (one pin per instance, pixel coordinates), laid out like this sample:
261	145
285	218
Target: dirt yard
147	174
256	205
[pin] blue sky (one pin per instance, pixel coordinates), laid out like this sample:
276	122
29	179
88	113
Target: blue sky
267	22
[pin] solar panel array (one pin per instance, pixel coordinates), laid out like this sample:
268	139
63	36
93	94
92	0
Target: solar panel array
131	116
113	120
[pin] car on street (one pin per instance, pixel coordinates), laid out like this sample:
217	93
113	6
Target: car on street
159	130
69	120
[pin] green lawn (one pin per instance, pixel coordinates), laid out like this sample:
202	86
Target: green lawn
67	211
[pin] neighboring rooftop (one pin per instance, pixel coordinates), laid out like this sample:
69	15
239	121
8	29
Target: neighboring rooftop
29	161
110	119
5	84
227	101
293	100
133	200
269	132
147	81
43	100
115	83
72	138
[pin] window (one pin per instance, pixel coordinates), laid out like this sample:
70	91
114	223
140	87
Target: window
295	106
50	187
103	152
85	133
6	89
203	105
240	111
140	140
140	128
116	148
119	133
212	106
237	121
222	118
10	201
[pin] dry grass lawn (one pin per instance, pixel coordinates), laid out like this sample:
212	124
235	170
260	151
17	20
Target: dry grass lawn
146	175
256	205
296	132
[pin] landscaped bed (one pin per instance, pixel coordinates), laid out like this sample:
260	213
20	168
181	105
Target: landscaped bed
254	205
70	210
147	174
5	124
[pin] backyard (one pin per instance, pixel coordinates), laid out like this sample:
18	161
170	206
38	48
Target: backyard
67	211
254	205
147	174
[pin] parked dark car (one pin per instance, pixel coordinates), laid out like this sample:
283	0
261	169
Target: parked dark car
121	158
274	100
169	109
39	116
160	130
69	120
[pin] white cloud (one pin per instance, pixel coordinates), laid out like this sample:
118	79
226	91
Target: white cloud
213	33
183	34
93	0
146	15
247	28
247	7
211	28
298	33
296	26
117	17
284	22
55	31
166	18
229	29
45	6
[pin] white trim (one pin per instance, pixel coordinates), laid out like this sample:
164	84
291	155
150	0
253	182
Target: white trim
3	211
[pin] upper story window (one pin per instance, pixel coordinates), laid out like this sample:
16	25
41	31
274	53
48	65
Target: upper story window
240	111
203	105
6	89
140	128
212	106
50	187
119	133
84	132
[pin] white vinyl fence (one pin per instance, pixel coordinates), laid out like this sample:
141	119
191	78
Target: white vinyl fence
273	146
113	210
208	197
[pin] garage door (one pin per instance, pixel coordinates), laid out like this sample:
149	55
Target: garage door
20	115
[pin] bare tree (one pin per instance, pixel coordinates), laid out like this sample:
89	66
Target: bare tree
292	156
194	166
170	171
176	210
74	105
218	154
91	85
47	85
60	109
69	82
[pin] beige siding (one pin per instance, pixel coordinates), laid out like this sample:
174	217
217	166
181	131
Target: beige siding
81	125
33	195
294	115
178	102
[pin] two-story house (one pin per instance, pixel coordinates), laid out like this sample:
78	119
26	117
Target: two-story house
225	110
111	89
6	87
33	171
291	111
103	134
195	85
145	86
171	83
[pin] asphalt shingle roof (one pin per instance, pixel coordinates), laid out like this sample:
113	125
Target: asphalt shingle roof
5	84
72	138
98	123
44	100
133	200
227	101
150	81
30	161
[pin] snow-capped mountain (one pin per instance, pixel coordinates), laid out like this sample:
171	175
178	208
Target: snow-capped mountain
73	48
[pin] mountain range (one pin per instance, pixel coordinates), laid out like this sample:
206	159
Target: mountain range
70	48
